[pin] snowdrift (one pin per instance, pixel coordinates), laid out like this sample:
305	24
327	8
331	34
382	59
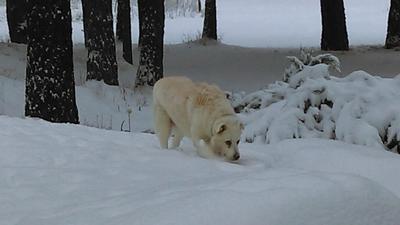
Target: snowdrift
72	174
310	103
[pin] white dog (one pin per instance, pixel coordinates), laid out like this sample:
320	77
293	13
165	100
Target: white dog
198	111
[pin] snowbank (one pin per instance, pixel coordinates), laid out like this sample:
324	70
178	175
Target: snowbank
72	174
309	103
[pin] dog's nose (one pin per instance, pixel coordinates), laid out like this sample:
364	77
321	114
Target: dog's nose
236	156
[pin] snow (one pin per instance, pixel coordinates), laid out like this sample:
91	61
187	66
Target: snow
260	23
72	174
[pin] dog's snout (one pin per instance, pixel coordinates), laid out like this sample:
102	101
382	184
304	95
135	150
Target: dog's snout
236	156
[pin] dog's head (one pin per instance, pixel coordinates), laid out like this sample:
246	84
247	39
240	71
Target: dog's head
226	136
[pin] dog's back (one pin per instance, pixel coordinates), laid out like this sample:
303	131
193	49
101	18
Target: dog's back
180	96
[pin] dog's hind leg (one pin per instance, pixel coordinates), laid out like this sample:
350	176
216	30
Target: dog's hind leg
162	125
178	135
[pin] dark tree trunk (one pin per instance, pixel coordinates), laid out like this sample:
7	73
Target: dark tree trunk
210	20
50	87
199	6
141	20
120	18
124	29
16	18
334	31
151	42
102	62
393	31
85	22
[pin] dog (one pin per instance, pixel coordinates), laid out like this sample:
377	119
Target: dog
198	111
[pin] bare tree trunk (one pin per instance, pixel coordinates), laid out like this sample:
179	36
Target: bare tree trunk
16	18
151	42
50	87
210	20
102	61
124	29
334	31
120	19
393	31
85	21
199	6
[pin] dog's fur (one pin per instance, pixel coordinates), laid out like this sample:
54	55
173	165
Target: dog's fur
198	111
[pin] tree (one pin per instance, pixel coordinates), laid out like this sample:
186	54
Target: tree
16	18
393	31
151	42
50	87
85	22
124	29
199	6
102	61
334	31
210	20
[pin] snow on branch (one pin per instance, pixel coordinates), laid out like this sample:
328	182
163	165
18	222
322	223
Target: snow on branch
310	103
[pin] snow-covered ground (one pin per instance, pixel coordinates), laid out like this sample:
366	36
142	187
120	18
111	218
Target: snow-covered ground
263	23
99	105
72	174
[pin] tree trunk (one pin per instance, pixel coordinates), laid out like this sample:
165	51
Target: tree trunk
210	20
393	31
50	87
141	20
334	31
120	18
151	42
199	6
85	22
102	61
124	29
16	18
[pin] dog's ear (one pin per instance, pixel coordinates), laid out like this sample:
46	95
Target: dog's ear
241	126
221	128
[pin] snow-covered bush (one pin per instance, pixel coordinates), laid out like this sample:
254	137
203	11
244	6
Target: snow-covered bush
310	103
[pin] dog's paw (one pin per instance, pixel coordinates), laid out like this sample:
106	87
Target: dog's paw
179	149
204	151
202	143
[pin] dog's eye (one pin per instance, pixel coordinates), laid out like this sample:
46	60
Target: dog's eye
237	142
228	143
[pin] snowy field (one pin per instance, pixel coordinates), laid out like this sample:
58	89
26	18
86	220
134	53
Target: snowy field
262	23
71	174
